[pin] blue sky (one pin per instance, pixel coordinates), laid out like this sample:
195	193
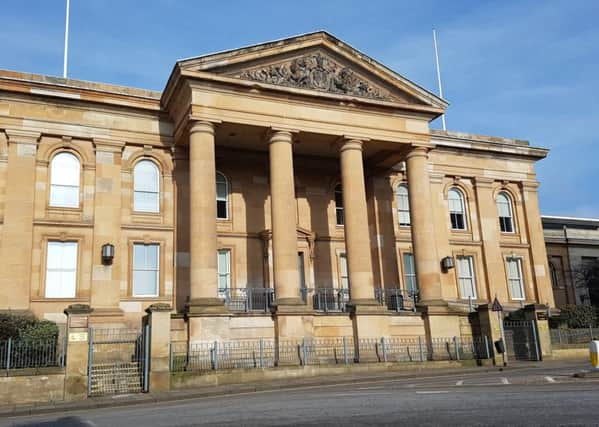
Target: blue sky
527	69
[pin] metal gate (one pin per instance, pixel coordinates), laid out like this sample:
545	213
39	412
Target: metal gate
521	340
118	361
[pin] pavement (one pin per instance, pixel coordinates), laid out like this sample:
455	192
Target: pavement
524	394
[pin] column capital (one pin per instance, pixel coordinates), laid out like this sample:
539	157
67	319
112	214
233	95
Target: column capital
349	143
22	137
279	135
530	185
483	182
420	149
201	126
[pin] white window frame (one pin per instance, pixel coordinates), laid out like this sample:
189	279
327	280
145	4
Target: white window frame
410	279
223	273
403	209
222	179
146	188
57	175
466	278
155	269
339	208
504	220
70	270
461	212
519	279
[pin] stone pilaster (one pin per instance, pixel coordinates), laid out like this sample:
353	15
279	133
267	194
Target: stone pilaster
489	226
536	238
106	279
16	242
202	221
538	313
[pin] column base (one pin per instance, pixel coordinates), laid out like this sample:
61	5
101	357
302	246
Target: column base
201	306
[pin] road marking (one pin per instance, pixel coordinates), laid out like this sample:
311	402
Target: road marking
550	379
370	388
504	380
459	383
432	392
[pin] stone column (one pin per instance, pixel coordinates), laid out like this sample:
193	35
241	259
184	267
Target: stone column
536	238
426	260
202	221
106	279
16	242
440	321
357	239
369	320
284	219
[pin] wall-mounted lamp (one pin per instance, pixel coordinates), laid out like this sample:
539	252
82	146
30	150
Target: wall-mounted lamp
107	253
447	263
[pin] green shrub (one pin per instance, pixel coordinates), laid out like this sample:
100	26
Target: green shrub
43	330
578	316
26	326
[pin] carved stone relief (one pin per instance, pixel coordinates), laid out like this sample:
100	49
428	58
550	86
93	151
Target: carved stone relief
318	72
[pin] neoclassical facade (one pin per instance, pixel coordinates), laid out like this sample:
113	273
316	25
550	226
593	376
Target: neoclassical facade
288	188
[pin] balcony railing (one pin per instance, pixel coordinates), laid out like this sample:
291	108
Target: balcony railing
327	299
248	300
396	299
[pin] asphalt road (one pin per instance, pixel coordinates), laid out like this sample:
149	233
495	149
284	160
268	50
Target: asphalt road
545	396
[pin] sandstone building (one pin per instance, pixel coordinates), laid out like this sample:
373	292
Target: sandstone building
287	188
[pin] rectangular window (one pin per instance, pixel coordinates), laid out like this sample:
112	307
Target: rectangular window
466	277
410	273
343	274
61	270
300	269
514	276
224	272
457	221
146	269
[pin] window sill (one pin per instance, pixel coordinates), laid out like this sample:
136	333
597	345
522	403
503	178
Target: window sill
62	299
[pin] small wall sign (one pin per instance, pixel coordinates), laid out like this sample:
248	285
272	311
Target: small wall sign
77	321
77	336
542	315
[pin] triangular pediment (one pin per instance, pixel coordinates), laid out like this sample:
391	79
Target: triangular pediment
315	63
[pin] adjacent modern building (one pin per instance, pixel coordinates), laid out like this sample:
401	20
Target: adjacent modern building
573	251
289	188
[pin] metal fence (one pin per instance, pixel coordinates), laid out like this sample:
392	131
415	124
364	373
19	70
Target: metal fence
327	300
396	299
27	354
573	338
267	353
247	300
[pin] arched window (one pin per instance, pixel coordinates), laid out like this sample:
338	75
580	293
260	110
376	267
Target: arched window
146	187
64	180
339	205
505	212
222	196
403	205
457	209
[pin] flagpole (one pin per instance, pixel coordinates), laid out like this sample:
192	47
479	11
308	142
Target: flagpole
438	74
66	43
